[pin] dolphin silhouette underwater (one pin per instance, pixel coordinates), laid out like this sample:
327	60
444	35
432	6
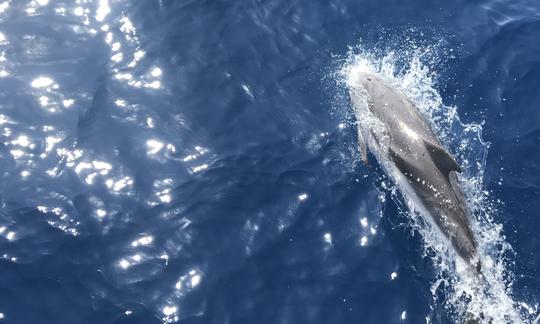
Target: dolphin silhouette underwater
409	152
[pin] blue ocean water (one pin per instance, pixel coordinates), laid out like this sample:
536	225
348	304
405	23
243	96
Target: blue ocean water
196	161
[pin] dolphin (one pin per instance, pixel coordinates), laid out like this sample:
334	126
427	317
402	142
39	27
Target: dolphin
409	152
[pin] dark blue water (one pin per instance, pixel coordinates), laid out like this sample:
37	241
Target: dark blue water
195	161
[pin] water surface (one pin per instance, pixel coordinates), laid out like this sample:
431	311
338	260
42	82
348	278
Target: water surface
196	161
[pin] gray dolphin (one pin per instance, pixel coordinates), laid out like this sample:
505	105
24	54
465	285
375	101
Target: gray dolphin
410	153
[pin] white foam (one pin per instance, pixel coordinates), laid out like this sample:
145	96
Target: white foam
411	73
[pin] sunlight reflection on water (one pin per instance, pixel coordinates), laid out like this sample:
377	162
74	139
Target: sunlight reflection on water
49	149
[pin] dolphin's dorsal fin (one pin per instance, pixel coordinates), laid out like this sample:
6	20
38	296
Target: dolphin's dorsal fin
442	159
455	184
456	187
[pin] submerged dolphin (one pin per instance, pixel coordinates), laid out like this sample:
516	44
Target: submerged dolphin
410	153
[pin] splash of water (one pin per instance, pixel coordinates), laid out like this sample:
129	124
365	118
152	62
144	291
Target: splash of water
489	299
